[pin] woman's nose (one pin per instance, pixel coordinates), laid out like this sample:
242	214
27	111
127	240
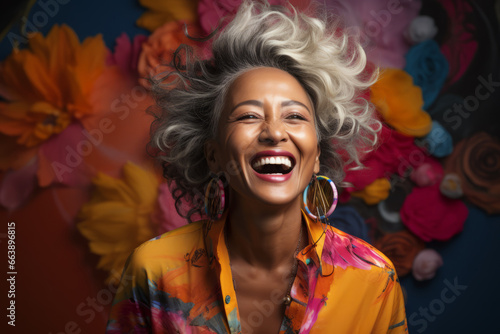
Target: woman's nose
273	132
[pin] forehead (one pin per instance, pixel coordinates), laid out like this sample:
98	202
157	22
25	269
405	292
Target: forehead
263	82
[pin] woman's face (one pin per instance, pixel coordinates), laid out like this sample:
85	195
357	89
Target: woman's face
266	141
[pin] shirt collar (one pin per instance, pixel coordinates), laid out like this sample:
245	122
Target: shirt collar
217	245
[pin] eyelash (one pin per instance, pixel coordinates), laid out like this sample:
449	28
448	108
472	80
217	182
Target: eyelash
247	116
290	116
297	116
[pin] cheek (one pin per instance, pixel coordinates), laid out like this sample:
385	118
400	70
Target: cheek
307	140
237	145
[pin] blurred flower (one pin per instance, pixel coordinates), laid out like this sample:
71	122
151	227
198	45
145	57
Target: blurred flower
161	12
117	217
438	142
427	174
375	192
461	45
429	69
381	33
212	11
395	154
49	84
425	264
476	160
158	50
18	185
401	248
422	28
451	186
126	53
166	217
431	216
400	102
347	219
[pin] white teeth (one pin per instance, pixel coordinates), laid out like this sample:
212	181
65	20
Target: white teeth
273	161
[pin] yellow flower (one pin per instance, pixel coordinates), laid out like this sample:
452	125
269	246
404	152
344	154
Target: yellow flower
117	217
48	84
161	12
375	192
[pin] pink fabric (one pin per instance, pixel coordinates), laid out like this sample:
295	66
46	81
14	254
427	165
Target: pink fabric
432	216
382	24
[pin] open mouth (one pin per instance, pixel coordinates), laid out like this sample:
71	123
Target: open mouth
275	165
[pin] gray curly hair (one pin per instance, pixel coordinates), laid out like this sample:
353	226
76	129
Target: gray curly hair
326	61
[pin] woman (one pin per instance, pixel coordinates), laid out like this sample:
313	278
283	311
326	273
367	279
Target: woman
254	125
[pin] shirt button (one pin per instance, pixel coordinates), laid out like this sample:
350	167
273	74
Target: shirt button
308	261
228	299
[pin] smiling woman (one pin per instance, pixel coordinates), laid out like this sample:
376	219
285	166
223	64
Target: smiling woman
250	128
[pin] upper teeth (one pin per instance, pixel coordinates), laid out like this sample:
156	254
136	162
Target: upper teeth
273	161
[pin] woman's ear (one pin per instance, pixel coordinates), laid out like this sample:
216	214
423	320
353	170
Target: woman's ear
210	151
317	162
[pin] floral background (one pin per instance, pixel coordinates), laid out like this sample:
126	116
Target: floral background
76	178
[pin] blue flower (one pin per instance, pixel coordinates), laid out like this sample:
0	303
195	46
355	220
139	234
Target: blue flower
348	220
438	141
429	69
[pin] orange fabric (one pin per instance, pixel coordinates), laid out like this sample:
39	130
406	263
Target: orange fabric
182	282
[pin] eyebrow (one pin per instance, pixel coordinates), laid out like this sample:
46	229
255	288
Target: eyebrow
260	104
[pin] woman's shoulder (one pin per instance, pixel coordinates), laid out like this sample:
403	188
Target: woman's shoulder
172	244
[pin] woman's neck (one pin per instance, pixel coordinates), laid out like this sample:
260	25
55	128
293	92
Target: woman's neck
263	236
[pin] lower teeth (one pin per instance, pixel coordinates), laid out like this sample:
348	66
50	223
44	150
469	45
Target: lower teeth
275	174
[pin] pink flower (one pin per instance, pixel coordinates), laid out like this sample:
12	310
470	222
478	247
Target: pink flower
211	12
126	53
427	174
426	263
166	217
381	24
432	216
395	154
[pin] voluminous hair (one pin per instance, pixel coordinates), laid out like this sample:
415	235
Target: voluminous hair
328	63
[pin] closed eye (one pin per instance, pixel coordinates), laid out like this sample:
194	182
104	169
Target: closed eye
247	116
296	116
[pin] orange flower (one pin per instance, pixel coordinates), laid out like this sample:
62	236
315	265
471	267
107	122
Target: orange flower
160	46
49	84
400	103
161	12
375	192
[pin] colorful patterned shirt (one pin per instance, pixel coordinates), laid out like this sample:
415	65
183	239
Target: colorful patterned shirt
181	282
